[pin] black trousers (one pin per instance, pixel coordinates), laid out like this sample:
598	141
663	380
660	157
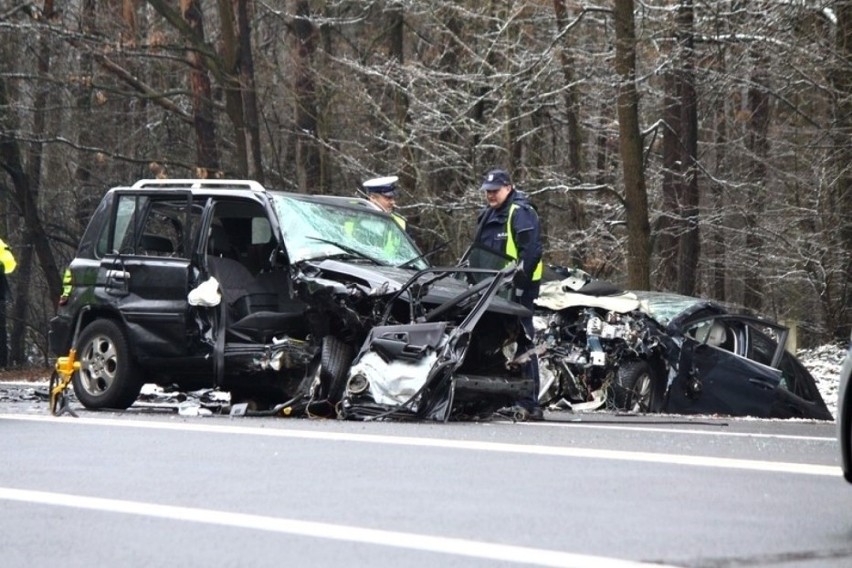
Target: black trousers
527	342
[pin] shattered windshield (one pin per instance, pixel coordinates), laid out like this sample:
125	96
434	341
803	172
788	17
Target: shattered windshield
317	230
662	306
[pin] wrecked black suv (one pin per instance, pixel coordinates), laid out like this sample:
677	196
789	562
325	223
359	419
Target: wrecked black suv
298	304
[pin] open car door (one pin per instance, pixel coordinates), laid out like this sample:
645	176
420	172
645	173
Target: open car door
409	371
728	364
145	268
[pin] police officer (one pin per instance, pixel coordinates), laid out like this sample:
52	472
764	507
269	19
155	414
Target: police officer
508	224
382	192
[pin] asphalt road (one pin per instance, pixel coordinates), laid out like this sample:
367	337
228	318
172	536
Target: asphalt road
149	487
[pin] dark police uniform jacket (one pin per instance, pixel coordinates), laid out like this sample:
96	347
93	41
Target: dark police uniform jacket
492	232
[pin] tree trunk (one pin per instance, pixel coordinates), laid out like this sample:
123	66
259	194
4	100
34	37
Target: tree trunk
717	234
630	146
83	105
207	153
304	88
396	53
231	84
25	202
571	97
248	92
603	160
668	226
128	17
842	197
690	245
24	257
758	145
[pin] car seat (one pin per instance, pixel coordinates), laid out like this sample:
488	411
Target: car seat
155	245
219	243
257	309
717	334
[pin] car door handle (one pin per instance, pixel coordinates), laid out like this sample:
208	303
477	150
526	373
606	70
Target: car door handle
762	383
117	282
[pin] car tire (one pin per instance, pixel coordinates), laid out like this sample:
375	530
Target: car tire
636	387
108	377
335	360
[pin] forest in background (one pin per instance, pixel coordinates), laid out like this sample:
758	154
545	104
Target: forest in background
695	147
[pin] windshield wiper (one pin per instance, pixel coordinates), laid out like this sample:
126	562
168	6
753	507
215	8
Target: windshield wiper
407	263
354	252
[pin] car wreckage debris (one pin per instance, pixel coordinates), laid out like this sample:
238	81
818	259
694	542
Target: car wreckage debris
296	305
321	305
658	352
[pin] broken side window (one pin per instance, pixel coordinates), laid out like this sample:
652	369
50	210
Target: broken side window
119	235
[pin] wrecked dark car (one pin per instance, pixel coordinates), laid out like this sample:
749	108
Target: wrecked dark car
602	347
296	305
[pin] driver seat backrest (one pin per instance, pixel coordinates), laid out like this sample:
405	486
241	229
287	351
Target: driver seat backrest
219	243
257	310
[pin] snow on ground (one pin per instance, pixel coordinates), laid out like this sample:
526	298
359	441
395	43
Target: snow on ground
824	363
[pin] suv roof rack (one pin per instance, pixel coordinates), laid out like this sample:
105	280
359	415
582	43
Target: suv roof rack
199	184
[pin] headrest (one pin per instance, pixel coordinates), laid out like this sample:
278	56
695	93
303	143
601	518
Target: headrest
716	335
219	243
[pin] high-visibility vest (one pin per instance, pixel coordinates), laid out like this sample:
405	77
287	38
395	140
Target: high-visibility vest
512	250
66	282
400	220
392	241
7	258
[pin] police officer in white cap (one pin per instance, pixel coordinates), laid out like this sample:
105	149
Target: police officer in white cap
382	192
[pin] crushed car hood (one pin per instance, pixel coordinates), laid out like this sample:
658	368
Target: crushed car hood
559	295
389	279
664	307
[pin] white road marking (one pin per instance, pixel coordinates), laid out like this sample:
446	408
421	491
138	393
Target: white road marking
638	428
410	541
528	449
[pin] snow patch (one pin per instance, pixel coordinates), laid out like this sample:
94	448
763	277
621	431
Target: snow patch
824	363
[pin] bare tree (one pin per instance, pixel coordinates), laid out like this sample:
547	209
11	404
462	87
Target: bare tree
317	95
630	143
202	100
304	90
690	246
840	319
247	90
572	103
758	145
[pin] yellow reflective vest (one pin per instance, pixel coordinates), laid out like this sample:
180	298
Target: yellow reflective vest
512	249
7	258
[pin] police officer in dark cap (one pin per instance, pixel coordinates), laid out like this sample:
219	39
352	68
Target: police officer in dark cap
509	224
382	192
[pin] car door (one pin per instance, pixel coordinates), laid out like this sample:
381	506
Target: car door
734	374
144	270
